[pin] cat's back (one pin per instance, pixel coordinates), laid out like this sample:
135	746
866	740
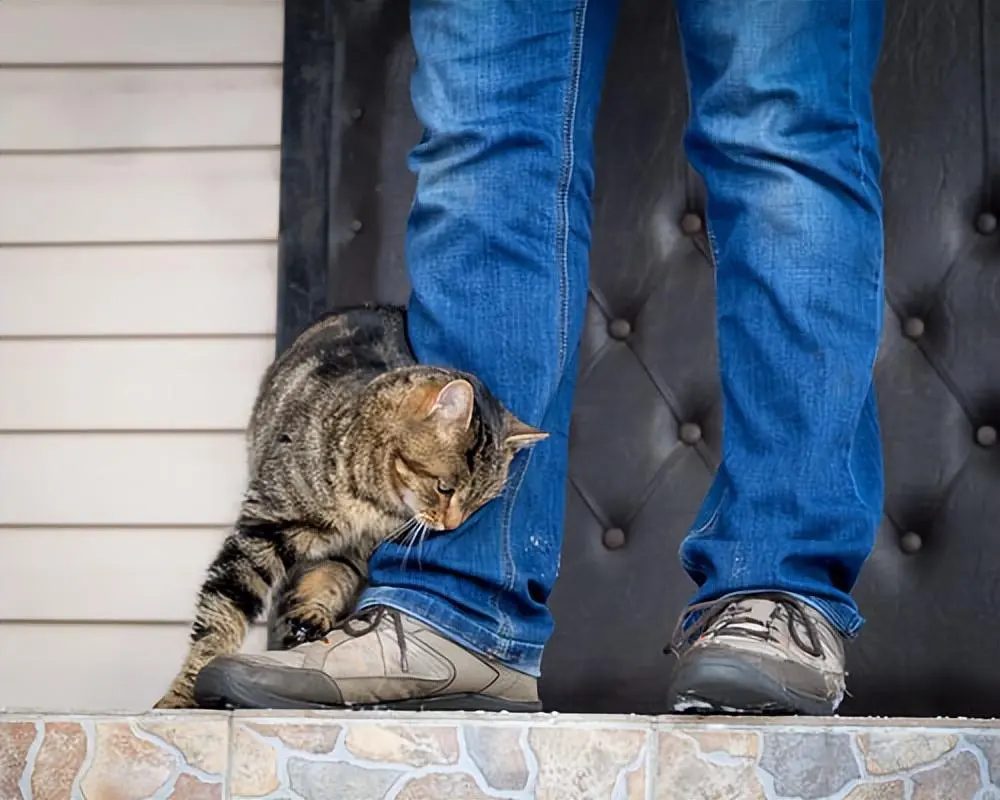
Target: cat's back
328	364
344	341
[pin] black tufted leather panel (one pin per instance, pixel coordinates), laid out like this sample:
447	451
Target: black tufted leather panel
931	590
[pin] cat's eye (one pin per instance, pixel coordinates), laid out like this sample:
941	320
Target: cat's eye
445	488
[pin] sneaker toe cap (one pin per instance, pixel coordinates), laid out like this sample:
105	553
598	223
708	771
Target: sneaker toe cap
264	682
731	680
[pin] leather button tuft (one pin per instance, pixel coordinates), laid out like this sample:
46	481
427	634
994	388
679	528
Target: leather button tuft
986	223
356	225
357	113
690	433
914	328
986	436
619	329
614	538
691	224
910	543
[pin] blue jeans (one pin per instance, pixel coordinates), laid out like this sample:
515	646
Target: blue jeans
781	130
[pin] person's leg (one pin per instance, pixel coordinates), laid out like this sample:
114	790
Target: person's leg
497	248
782	132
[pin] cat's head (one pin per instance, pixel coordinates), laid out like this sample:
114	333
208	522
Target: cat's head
454	449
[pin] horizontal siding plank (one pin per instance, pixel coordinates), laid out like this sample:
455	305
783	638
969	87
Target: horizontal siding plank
110	574
122	384
184	479
139	197
93	109
76	668
121	479
140	31
138	290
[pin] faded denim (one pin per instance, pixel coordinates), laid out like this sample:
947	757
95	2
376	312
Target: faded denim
782	132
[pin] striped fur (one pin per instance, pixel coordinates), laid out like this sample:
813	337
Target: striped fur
350	442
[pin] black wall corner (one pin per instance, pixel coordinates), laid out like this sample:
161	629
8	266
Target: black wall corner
308	163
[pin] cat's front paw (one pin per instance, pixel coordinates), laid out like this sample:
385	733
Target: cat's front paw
301	625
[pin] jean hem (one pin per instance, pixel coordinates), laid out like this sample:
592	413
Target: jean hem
518	655
842	616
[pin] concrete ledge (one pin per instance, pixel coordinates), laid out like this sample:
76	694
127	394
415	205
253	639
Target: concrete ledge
365	756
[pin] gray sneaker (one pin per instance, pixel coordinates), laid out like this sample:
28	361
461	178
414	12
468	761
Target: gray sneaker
379	658
757	654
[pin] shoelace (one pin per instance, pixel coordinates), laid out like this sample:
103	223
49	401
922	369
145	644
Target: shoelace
369	619
738	621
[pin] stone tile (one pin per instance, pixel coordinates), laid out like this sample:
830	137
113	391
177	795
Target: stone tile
889	752
204	743
989	744
893	790
498	754
582	762
312	780
16	739
318	738
184	757
415	745
126	767
739	744
188	787
681	765
956	779
635	783
58	761
253	771
809	764
458	786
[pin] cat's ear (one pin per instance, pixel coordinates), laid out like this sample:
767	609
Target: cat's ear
519	435
453	404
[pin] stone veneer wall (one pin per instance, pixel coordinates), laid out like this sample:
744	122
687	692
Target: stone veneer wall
364	756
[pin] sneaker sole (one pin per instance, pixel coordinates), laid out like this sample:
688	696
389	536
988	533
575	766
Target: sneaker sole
718	685
221	689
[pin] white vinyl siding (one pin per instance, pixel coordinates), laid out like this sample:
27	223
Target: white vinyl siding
139	183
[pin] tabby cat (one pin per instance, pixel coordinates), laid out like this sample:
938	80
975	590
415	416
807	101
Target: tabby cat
350	443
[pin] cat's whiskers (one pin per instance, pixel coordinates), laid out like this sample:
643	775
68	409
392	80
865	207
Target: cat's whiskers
403	529
407	535
420	544
416	538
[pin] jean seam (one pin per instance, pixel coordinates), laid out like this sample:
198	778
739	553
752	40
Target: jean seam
850	93
566	174
713	246
714	517
862	181
567	168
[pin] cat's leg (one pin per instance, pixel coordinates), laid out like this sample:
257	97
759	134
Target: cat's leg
252	558
313	598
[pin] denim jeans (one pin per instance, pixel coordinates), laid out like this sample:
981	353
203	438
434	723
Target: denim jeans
781	130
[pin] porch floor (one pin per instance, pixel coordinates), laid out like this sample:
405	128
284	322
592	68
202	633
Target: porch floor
202	755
